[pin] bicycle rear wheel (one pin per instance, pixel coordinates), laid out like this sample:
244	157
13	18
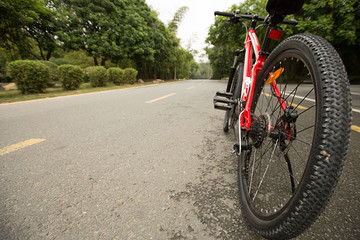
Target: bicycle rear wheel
298	138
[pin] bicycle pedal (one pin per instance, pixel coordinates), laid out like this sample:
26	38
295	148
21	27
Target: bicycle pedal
224	94
222	107
223	100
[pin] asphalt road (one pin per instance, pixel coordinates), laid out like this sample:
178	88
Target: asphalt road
143	163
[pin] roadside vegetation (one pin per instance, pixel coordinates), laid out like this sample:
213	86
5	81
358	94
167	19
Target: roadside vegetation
13	95
72	44
336	21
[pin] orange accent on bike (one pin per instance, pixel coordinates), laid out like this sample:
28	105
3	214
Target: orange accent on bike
274	76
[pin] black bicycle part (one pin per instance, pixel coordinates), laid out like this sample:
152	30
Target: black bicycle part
233	68
235	17
227	100
231	99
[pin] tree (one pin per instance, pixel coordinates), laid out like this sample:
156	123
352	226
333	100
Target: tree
220	59
178	17
225	38
91	26
116	30
173	27
336	21
21	21
202	71
164	52
126	32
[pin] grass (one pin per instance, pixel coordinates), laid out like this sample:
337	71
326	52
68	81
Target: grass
10	96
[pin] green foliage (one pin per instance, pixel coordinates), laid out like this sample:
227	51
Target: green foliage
53	70
184	63
29	76
227	37
70	76
175	22
79	58
130	75
115	75
122	33
97	76
202	71
25	20
336	21
108	29
220	59
2	64
86	75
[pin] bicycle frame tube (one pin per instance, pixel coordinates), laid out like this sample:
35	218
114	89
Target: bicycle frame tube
250	75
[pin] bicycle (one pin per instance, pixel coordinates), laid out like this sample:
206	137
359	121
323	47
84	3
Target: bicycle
291	113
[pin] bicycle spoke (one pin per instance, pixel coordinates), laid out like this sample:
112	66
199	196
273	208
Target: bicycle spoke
309	108
304	98
252	172
305	129
269	100
295	89
286	171
257	160
267	167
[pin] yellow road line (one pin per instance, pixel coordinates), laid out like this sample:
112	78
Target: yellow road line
355	128
20	145
191	87
160	98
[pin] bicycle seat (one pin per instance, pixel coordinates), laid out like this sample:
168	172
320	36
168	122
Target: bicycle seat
283	7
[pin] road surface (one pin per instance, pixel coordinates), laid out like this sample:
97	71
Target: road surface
143	163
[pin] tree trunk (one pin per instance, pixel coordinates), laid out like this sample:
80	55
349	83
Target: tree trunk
96	61
48	55
103	60
175	73
41	53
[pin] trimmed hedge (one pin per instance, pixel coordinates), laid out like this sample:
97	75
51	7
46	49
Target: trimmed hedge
115	75
70	76
130	75
29	76
53	70
97	76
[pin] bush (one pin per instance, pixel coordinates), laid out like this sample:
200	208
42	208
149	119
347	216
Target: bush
97	76
70	76
115	75
130	75
29	76
60	61
86	75
78	58
53	70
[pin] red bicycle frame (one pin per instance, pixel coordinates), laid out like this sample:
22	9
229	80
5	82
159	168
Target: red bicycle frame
251	73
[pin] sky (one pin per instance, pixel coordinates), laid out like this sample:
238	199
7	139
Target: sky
194	27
